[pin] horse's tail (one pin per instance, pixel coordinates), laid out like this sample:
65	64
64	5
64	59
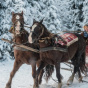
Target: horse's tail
83	67
49	69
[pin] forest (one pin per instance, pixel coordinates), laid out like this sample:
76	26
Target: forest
58	15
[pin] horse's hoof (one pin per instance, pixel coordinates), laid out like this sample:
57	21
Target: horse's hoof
69	82
59	85
40	81
35	86
80	79
8	85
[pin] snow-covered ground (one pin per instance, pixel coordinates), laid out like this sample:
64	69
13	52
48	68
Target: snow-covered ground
23	78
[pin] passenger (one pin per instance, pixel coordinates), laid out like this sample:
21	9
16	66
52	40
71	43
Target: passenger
86	31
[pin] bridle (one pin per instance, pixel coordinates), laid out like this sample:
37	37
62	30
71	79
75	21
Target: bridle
39	36
14	24
21	30
21	25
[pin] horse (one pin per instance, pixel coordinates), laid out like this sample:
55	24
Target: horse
76	51
20	36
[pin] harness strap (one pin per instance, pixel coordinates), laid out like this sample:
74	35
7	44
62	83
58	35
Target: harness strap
36	50
19	48
41	34
53	48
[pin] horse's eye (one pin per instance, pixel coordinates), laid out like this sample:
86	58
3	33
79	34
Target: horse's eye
14	15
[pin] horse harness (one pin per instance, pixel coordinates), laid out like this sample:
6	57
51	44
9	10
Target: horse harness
22	47
40	40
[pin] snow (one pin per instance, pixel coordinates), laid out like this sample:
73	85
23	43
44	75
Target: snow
58	15
23	77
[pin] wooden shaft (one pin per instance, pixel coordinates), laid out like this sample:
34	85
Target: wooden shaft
21	46
6	40
28	48
27	26
66	69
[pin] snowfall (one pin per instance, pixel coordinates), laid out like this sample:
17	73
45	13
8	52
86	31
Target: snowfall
23	77
58	15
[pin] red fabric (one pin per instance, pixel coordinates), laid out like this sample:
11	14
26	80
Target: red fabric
87	65
86	50
69	38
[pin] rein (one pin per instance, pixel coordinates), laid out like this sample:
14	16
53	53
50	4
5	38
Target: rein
21	46
35	50
41	34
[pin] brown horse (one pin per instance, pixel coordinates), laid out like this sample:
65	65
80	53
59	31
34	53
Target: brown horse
76	51
20	36
21	55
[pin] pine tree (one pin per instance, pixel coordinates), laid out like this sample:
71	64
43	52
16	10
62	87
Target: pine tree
5	48
58	15
78	14
85	12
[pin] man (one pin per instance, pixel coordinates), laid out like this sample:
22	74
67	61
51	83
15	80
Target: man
86	31
85	34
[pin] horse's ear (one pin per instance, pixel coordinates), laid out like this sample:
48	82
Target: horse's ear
12	13
34	21
41	21
22	12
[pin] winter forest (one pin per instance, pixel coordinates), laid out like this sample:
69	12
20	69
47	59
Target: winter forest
59	15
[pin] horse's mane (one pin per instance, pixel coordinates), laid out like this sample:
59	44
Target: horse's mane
48	33
25	32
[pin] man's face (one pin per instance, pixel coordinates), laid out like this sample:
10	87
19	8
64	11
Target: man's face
86	28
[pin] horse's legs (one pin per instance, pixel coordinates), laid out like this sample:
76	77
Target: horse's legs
80	76
40	69
40	76
77	69
17	64
57	65
81	64
34	75
71	78
76	64
41	72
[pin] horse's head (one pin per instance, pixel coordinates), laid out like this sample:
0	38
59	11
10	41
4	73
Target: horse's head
36	31
18	23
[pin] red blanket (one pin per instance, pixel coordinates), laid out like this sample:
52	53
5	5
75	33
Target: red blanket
68	38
